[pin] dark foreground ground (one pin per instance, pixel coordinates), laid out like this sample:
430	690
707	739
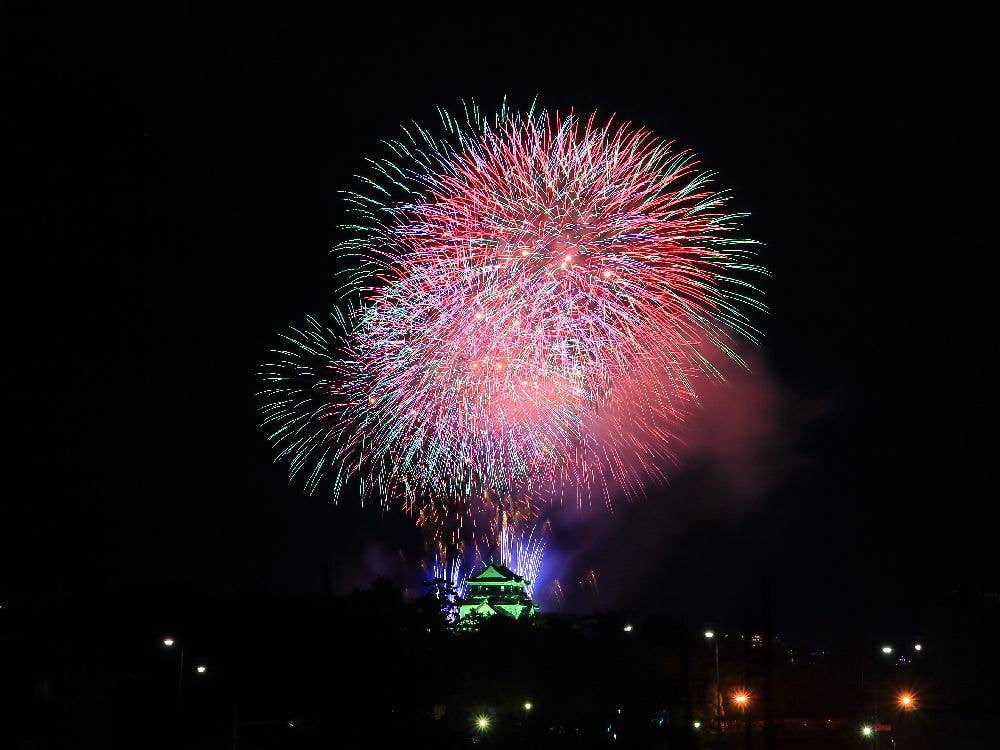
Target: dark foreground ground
373	669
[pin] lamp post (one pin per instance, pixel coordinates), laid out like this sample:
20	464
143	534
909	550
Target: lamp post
742	701
877	674
905	702
710	635
169	642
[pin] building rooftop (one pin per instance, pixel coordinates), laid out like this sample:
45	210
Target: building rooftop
495	573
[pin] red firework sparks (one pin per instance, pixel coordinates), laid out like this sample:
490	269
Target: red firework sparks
534	314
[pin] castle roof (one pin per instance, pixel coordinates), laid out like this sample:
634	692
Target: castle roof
495	573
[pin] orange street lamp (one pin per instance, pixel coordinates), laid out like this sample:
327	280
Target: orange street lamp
907	701
741	699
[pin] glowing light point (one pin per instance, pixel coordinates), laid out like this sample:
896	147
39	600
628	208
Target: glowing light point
710	634
867	731
528	705
168	642
201	669
628	628
887	650
482	723
918	647
697	725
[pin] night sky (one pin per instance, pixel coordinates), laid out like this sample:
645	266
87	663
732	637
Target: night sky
177	175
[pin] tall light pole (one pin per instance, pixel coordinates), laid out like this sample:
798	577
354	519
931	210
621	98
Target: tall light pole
877	672
906	702
710	635
742	701
169	642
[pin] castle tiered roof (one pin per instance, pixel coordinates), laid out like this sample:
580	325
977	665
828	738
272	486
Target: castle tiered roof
495	573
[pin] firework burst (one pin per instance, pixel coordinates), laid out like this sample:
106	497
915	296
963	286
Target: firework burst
531	301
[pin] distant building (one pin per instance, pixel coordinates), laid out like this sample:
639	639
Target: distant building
495	590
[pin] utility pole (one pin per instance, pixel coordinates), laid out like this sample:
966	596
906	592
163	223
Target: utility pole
718	688
770	738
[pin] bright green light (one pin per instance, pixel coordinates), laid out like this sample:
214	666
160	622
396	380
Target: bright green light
867	731
482	723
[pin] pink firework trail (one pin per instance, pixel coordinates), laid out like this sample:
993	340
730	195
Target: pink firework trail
534	300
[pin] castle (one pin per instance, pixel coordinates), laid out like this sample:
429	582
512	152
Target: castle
495	590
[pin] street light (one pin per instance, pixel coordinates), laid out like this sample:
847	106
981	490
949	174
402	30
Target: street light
168	642
918	647
887	650
627	628
697	725
201	669
710	635
867	731
482	723
742	699
906	701
528	706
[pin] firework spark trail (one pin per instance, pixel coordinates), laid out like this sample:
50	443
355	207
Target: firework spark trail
523	553
532	302
556	593
451	570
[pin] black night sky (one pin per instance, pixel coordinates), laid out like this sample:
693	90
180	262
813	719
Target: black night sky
175	175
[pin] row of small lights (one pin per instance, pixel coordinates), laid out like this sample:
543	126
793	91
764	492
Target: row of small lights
906	700
483	722
887	650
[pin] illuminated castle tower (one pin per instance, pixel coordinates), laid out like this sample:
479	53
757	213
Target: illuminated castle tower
495	590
